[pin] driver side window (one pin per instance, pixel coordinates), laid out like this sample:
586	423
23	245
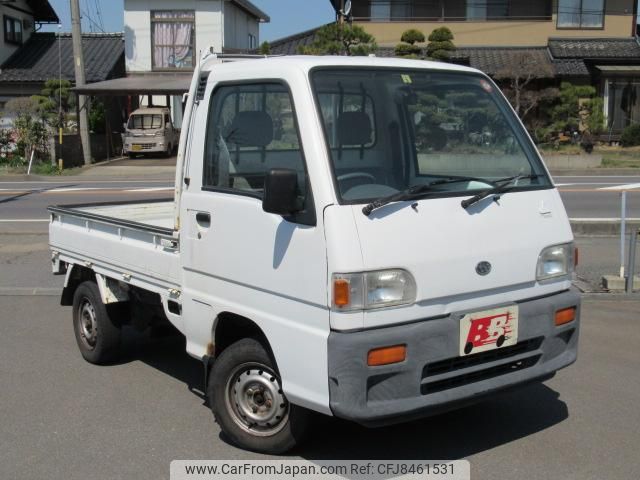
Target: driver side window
251	129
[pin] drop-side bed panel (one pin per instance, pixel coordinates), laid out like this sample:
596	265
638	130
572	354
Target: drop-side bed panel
134	242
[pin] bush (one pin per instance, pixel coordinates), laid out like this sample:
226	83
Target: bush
412	36
407	50
440	44
631	136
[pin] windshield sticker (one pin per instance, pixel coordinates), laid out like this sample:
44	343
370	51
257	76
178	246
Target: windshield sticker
406	79
486	86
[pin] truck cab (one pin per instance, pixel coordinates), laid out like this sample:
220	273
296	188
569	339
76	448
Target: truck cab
374	239
150	130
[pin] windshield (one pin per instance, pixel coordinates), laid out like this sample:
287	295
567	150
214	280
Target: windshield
145	122
389	130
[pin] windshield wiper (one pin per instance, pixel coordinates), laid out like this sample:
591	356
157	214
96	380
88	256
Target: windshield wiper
500	186
416	191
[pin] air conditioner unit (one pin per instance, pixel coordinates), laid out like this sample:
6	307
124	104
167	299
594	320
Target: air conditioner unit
27	24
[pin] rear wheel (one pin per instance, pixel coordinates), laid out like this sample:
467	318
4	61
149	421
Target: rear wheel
98	337
247	400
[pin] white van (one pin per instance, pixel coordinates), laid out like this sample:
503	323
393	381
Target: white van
340	242
150	130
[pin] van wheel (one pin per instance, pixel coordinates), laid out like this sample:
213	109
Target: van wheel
97	336
245	392
169	151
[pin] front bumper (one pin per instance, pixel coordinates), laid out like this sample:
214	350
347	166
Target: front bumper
146	146
433	378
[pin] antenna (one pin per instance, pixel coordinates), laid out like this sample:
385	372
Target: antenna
347	8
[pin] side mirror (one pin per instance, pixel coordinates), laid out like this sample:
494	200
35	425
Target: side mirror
281	191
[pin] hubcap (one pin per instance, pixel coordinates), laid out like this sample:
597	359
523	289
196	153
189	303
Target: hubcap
87	324
255	399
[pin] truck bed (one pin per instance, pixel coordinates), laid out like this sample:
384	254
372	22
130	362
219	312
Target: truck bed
133	242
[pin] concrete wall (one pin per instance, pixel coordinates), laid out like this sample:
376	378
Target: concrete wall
508	33
14	10
237	27
137	28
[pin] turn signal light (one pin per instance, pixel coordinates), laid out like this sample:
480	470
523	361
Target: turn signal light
565	315
387	355
341	293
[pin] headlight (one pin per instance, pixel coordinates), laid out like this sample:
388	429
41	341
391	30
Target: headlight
555	261
369	290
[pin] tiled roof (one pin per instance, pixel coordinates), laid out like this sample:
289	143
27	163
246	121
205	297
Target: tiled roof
289	45
595	48
492	59
37	59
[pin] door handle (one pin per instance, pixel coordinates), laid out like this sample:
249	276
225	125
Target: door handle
203	219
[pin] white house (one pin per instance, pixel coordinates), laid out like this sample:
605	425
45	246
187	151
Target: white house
167	35
20	19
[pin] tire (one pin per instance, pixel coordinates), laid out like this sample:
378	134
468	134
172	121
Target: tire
98	337
277	426
169	151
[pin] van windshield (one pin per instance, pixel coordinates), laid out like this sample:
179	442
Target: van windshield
145	122
388	130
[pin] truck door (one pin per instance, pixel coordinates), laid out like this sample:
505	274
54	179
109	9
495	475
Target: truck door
239	259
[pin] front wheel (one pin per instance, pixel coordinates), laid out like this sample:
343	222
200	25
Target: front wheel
98	337
245	391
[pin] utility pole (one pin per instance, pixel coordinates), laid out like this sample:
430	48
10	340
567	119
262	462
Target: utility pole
78	56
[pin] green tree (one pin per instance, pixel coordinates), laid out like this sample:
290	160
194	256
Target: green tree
97	117
29	127
412	36
578	108
440	44
56	102
265	48
340	39
408	47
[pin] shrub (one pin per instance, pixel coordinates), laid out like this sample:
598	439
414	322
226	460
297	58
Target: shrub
631	136
407	50
412	36
440	44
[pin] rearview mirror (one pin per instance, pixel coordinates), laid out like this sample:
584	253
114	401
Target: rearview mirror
281	191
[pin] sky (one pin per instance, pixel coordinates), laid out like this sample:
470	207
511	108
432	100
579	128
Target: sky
287	16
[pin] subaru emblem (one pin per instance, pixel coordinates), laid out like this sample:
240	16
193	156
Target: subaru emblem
483	268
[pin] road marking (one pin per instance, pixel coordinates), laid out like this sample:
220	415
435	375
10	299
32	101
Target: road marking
23	220
29	291
628	186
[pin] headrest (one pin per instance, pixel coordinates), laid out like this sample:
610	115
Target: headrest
354	128
252	128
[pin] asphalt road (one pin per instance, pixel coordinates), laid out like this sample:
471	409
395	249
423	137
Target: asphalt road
62	418
584	197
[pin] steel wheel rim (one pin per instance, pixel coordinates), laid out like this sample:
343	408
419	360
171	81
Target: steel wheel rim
87	324
255	400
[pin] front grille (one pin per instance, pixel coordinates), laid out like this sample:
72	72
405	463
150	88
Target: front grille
451	365
145	146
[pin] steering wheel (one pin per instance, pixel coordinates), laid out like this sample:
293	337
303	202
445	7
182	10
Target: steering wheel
351	176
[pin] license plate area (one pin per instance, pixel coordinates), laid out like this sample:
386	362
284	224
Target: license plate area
136	148
488	330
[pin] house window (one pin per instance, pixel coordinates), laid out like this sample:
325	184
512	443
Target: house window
580	13
173	39
12	30
382	10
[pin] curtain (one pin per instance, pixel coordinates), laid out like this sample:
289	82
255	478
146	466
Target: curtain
173	39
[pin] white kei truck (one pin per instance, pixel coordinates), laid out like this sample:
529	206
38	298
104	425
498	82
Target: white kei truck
374	239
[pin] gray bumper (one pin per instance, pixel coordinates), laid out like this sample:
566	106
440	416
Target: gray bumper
434	378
